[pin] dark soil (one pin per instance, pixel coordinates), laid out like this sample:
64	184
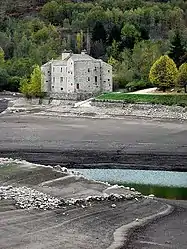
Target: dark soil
166	233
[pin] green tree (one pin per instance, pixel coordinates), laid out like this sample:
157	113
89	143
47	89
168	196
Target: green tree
177	48
25	87
3	79
33	87
79	40
21	67
113	50
130	35
163	73
182	75
50	10
114	63
99	32
13	84
144	54
2	57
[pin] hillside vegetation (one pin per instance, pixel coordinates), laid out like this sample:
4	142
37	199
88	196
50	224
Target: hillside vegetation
130	34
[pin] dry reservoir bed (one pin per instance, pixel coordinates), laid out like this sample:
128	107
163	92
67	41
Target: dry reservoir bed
87	216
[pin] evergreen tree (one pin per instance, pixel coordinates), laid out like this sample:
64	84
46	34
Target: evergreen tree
182	76
99	33
163	73
177	49
79	41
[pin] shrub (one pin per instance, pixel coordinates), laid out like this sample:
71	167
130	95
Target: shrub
138	85
163	99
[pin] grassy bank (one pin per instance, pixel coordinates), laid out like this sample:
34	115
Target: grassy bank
163	99
167	192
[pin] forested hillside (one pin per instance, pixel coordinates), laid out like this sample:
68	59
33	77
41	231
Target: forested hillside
129	34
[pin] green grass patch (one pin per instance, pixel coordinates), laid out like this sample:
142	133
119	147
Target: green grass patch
163	99
175	193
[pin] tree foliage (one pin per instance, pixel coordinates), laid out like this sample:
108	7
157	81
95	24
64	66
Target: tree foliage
33	87
177	48
182	75
163	73
133	32
2	57
79	40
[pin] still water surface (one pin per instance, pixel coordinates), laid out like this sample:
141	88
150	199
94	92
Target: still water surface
166	184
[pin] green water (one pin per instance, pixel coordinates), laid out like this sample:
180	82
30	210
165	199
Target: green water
174	193
163	184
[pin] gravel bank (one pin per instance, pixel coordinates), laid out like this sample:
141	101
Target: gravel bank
98	110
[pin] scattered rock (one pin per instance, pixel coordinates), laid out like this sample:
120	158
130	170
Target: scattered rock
113	205
27	198
151	196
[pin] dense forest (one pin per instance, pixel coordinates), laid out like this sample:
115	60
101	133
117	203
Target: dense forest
129	34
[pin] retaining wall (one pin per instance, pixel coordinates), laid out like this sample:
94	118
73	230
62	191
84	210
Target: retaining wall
71	96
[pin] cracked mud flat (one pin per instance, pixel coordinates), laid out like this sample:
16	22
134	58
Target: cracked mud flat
70	226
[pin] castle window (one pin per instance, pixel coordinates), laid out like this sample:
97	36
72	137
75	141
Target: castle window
77	86
108	71
95	79
61	69
53	69
88	70
108	79
61	79
88	78
61	88
54	79
52	86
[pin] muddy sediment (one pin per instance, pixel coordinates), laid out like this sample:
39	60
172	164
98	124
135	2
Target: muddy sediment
73	225
102	159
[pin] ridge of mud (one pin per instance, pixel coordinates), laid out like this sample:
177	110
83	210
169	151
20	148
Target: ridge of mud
101	159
